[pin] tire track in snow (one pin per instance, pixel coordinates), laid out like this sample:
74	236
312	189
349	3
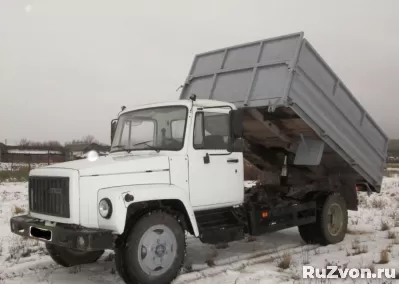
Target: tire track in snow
228	266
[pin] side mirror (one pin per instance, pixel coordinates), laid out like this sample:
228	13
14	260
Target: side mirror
114	123
236	123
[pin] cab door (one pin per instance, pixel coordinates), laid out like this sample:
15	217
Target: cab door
215	174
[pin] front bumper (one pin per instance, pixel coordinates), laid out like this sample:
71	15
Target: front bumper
63	235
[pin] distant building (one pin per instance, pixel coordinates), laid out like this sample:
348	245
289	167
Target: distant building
32	154
80	150
3	148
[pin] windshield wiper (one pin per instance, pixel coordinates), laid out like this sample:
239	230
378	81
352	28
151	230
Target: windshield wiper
150	146
120	148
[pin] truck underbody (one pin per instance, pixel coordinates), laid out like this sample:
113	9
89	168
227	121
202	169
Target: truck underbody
267	208
271	143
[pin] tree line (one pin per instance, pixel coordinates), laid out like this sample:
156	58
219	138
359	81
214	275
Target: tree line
88	139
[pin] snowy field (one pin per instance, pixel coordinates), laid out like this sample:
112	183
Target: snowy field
17	166
372	242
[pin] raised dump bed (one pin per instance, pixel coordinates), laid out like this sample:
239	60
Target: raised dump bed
293	96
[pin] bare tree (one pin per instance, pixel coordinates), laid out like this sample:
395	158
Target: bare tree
53	143
24	142
89	139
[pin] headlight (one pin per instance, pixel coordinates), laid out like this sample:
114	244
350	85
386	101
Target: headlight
105	208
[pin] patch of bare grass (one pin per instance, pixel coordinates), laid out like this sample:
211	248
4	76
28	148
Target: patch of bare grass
284	261
378	203
18	175
392	234
384	225
20	247
355	220
18	210
392	214
357	248
384	257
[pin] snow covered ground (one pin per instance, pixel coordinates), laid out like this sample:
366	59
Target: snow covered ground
17	166
373	230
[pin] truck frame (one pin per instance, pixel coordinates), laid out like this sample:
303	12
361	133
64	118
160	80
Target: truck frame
178	167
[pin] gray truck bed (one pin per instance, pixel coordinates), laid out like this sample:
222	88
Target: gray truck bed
287	72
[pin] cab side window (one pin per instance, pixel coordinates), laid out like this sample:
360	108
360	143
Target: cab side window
211	131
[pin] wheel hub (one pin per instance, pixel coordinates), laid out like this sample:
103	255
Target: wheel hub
157	250
160	250
335	219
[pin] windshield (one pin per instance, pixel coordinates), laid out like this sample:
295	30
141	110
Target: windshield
160	128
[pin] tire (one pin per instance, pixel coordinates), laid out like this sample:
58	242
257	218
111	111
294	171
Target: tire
332	233
153	250
309	233
69	257
120	266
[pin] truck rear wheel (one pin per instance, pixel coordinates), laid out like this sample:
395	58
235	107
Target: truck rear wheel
332	220
70	257
153	251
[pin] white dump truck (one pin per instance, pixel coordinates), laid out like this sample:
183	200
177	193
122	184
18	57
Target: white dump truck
177	168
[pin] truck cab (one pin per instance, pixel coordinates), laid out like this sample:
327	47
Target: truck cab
180	157
194	138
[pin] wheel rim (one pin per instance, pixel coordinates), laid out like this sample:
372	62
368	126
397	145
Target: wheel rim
157	250
335	219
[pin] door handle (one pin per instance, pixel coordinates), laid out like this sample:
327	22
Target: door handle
232	161
206	159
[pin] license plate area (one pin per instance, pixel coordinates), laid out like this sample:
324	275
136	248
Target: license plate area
39	233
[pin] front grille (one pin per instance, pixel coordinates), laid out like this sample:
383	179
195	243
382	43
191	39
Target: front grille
49	196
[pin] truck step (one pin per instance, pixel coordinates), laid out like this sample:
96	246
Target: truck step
219	226
216	218
225	234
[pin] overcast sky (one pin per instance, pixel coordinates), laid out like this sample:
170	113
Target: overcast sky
66	66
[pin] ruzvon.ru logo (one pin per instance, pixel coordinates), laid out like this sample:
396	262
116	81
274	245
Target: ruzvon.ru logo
333	272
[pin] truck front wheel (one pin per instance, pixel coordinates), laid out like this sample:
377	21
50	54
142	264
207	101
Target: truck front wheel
70	257
153	251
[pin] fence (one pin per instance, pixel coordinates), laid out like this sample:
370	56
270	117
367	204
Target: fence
29	159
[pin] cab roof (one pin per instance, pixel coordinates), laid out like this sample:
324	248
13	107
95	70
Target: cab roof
183	102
